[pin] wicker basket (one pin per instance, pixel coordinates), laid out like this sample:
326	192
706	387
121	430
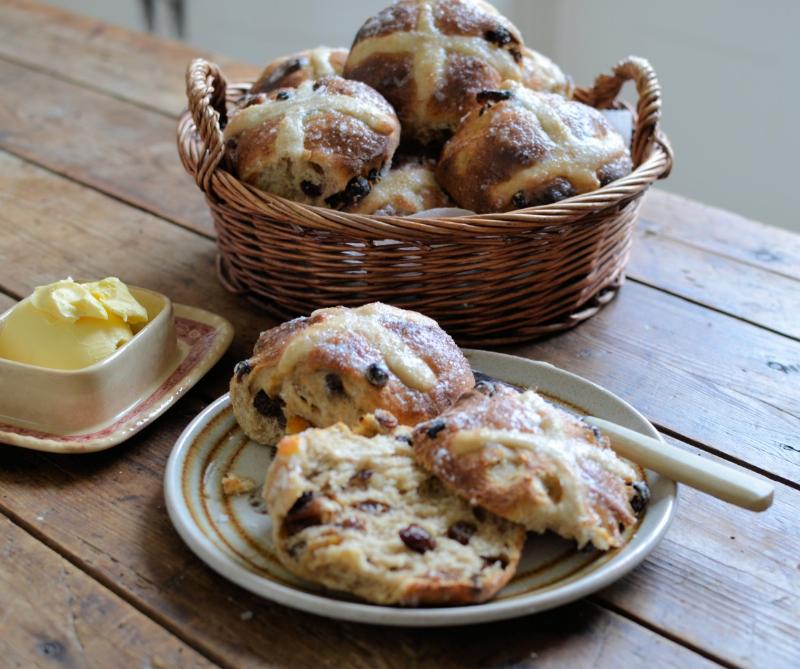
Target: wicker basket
488	279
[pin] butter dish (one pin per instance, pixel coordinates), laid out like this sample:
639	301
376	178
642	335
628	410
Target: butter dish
96	407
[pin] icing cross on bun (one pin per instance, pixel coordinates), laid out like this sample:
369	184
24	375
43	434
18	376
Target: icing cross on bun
358	515
291	71
339	364
430	57
325	142
523	148
531	462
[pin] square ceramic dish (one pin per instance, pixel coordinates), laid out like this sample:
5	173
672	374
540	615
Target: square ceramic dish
101	405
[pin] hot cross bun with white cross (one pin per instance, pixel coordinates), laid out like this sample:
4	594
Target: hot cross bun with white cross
522	148
527	460
291	71
339	364
324	142
430	57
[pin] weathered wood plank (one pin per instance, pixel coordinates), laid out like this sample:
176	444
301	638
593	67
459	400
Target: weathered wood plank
71	230
709	377
713	379
736	570
722	232
118	148
130	541
133	66
748	292
53	614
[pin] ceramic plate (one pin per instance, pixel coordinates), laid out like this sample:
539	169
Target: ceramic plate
203	337
232	533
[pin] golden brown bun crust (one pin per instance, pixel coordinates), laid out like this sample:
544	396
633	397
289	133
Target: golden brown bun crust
523	148
430	58
571	483
347	370
404	190
542	74
291	71
324	142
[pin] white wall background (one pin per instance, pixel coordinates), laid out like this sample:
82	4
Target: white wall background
729	71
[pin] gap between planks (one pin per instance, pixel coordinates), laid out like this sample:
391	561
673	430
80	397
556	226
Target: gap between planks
662	632
122	593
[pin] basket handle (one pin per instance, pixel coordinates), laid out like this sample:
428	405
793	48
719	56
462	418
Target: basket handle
205	90
648	110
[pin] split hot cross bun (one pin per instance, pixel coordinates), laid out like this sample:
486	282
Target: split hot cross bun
359	515
340	364
325	142
430	57
531	462
523	148
291	71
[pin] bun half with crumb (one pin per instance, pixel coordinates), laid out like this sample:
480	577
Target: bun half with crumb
325	142
358	515
522	148
339	364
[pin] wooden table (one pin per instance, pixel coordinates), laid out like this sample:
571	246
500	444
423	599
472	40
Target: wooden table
703	339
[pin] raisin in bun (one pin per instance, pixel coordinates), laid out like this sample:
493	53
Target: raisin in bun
523	148
531	462
404	190
324	142
291	71
430	57
339	364
358	515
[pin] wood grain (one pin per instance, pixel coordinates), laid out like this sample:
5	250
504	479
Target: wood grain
749	292
53	614
722	232
137	67
58	125
131	543
70	230
736	570
713	379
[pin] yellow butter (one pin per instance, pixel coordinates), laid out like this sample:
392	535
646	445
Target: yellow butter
68	325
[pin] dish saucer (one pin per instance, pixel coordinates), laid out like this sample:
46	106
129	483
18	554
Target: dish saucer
232	534
202	339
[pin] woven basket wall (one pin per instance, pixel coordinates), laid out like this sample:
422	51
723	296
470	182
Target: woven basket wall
488	279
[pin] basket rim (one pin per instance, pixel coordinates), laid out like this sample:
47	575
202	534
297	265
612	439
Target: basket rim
655	164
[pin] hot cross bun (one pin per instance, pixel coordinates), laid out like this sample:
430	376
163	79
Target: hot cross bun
339	364
404	190
430	57
358	515
291	71
325	142
527	460
522	148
